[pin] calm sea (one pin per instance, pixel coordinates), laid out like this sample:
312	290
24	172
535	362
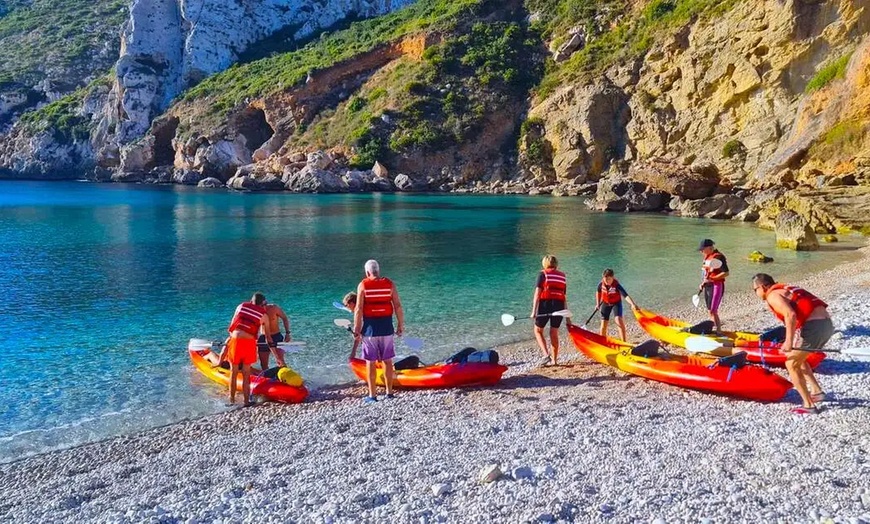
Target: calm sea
104	284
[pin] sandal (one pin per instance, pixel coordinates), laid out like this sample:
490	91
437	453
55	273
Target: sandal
818	397
800	410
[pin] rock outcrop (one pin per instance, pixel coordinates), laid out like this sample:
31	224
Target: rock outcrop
794	232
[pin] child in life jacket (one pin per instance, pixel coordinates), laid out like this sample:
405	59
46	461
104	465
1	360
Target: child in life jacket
608	300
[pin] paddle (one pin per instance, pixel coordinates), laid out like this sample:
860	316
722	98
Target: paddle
508	319
290	347
338	305
706	345
413	343
588	320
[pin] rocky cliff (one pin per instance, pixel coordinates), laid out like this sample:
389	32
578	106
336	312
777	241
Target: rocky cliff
720	109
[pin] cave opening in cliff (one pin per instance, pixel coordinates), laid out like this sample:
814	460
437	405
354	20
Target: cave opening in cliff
251	123
164	132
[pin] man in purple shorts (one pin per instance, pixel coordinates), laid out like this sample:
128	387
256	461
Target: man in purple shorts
715	270
377	301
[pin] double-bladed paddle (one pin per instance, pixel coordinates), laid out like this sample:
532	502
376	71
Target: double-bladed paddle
588	320
413	343
706	345
338	305
508	319
294	346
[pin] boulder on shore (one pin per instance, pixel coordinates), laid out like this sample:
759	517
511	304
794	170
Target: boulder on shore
758	256
793	231
622	194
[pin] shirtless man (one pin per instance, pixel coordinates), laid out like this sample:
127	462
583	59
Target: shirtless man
274	312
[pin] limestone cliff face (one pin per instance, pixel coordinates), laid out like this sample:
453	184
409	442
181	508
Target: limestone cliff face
727	92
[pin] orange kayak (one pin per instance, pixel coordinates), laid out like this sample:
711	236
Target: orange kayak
206	361
687	371
438	375
671	331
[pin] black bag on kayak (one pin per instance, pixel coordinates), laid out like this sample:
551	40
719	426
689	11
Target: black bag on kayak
409	362
647	349
460	357
487	356
271	373
701	328
737	360
776	334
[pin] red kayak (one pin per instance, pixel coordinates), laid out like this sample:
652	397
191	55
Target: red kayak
725	376
438	375
206	362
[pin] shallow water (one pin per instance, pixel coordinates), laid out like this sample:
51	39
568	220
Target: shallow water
104	284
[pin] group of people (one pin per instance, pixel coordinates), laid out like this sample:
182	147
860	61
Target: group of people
376	301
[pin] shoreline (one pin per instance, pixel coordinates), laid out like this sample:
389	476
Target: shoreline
586	443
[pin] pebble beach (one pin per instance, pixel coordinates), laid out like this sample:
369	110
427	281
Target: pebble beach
579	442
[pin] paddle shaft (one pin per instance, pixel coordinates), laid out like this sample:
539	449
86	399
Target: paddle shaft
772	346
588	320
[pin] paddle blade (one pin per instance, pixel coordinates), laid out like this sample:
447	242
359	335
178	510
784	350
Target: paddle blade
696	300
199	343
562	313
291	347
702	344
343	323
507	320
862	354
413	343
714	263
339	305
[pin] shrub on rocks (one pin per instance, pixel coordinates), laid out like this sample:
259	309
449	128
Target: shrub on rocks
758	256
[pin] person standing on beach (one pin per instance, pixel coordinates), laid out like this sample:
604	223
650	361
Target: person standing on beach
274	313
715	270
550	296
241	347
349	302
377	301
608	299
807	326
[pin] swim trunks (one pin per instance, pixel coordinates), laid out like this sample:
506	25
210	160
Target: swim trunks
276	338
606	309
378	348
242	350
549	306
713	293
814	334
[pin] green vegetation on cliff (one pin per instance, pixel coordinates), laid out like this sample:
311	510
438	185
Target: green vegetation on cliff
63	117
63	40
833	71
262	77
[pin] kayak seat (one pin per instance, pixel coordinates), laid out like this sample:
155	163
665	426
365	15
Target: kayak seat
776	334
701	328
409	362
460	357
737	360
647	349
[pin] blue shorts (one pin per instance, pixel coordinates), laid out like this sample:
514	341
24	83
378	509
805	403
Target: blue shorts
376	349
606	309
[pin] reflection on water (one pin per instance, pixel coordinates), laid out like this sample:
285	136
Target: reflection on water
104	284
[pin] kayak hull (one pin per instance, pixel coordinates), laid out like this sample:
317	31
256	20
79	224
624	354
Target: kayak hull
204	360
686	371
437	375
670	331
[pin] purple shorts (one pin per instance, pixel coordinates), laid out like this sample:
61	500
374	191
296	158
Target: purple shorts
378	348
713	293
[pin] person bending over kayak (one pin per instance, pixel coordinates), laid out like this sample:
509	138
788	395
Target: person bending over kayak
608	299
807	326
377	301
274	312
349	302
241	347
714	270
550	296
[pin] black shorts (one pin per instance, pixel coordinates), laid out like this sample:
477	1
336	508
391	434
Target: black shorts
815	334
549	306
261	341
607	309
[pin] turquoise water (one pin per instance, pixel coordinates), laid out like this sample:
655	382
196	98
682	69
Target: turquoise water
104	284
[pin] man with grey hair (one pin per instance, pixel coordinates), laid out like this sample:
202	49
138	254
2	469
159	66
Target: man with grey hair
377	301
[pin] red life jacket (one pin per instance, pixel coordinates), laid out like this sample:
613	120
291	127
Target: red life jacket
248	318
377	297
708	271
609	294
801	300
554	286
